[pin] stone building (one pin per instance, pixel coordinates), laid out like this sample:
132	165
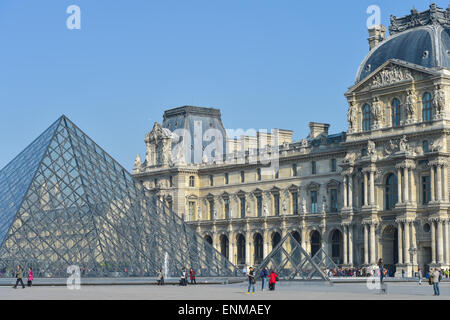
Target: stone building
379	190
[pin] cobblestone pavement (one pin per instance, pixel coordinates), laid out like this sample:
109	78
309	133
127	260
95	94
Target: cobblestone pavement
284	290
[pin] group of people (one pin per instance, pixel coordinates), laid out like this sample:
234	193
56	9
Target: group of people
265	276
184	276
19	276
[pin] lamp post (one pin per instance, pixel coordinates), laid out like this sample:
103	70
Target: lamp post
412	253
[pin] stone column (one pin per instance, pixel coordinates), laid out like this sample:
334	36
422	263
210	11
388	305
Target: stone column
399	185
345	192
350	191
406	185
412	181
432	184
406	255
304	237
231	246
446	243
248	248
414	242
433	242
344	227
350	244
366	187
438	183
372	244
440	242
372	188
400	243
366	244
445	171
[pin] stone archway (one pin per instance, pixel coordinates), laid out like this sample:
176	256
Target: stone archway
316	242
337	244
296	235
224	246
240	250
259	248
209	239
389	247
276	238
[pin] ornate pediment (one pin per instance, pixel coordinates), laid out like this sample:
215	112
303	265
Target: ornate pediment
392	72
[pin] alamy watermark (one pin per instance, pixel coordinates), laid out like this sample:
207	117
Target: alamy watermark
74	280
74	20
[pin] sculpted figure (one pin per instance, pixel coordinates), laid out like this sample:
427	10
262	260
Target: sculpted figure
410	104
439	100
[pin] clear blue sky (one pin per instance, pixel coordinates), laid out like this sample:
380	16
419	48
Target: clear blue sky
265	64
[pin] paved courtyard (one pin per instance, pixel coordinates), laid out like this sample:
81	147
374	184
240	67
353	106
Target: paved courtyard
285	290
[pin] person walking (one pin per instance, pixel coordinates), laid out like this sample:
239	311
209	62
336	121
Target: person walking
273	278
183	277
264	274
251	280
160	277
419	273
381	269
192	276
19	276
436	277
30	277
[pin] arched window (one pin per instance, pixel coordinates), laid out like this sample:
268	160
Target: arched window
367	118
297	236
315	242
209	239
241	249
191	181
258	248
427	107
396	113
224	244
391	192
336	246
276	238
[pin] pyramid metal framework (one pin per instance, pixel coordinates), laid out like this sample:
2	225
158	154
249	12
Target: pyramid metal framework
64	201
290	261
323	260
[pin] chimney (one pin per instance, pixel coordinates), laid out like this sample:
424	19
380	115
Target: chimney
316	129
376	35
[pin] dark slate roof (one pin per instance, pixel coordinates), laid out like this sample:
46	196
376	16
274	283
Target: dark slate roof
419	38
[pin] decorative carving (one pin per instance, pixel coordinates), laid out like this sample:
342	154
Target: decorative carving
433	16
137	164
350	157
403	144
371	149
410	105
438	100
265	209
377	113
437	145
391	75
351	116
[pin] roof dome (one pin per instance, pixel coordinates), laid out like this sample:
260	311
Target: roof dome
420	38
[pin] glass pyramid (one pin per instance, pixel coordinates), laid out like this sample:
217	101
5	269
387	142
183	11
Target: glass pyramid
323	260
290	261
64	201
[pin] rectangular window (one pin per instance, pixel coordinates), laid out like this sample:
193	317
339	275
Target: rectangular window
276	204
313	201
426	189
171	181
211	180
227	178
295	202
211	209
277	174
362	194
259	205
191	210
333	200
333	165
294	170
258	174
313	167
227	208
242	176
242	200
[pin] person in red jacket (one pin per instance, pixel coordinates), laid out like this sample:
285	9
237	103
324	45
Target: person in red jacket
273	278
192	276
30	277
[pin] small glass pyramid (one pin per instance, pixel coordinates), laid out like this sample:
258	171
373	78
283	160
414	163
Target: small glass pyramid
290	261
64	201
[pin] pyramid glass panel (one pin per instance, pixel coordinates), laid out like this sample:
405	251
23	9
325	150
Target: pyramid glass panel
64	201
290	261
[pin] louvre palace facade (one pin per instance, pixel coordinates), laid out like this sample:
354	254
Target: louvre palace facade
379	190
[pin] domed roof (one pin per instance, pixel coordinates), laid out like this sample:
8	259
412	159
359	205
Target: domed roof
420	38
